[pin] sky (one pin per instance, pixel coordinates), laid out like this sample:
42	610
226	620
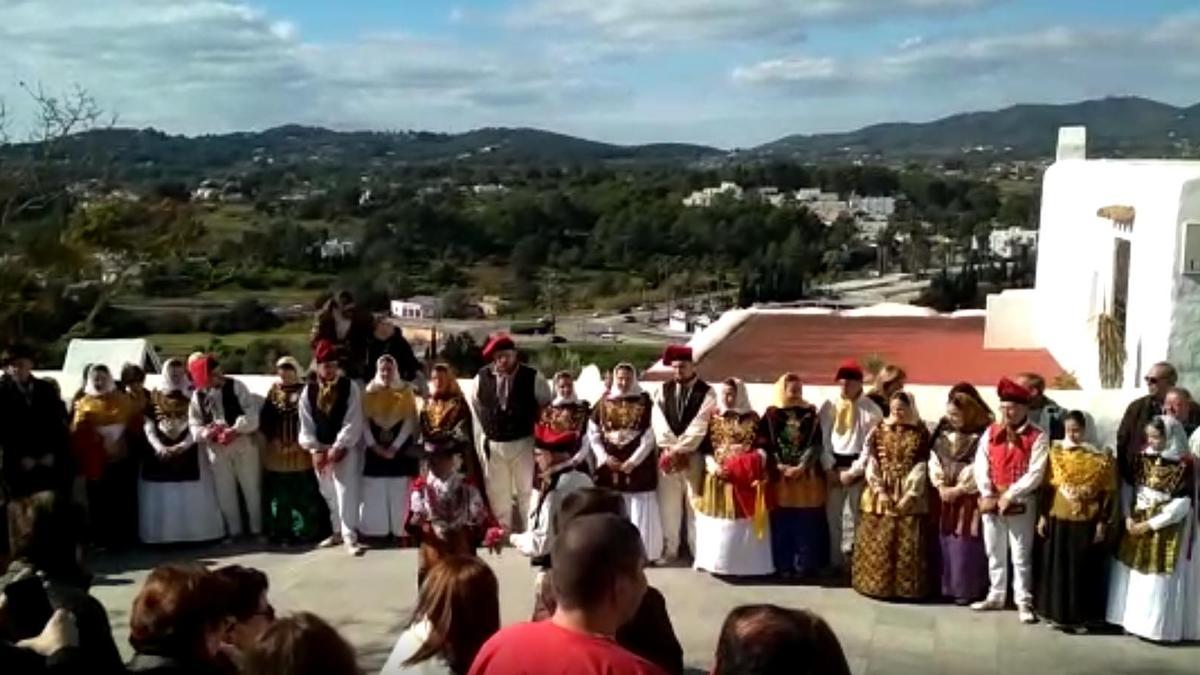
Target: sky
729	73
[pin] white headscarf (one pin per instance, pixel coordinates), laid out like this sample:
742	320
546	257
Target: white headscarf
741	400
379	383
563	400
1176	447
180	382
1091	440
90	387
635	389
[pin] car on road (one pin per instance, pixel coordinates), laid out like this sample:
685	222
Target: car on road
629	318
557	340
597	315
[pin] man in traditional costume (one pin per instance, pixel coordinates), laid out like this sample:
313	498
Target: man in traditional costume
447	514
799	464
331	429
99	429
554	451
893	543
446	420
567	412
952	474
177	501
623	443
509	396
1009	466
223	417
732	519
391	453
1154	590
846	422
291	496
1078	509
34	441
683	407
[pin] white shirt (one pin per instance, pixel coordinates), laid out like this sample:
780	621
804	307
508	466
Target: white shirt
697	428
348	436
408	644
866	417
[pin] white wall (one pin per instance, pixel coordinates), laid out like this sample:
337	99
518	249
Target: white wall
1009	323
1075	254
1183	348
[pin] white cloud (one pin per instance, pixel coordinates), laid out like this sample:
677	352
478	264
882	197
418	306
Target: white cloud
207	65
684	20
1058	61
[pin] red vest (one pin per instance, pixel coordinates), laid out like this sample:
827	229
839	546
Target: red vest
1007	462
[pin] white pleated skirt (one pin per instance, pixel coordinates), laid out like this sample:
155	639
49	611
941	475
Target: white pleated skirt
730	547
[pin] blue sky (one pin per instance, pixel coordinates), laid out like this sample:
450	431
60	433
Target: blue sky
731	73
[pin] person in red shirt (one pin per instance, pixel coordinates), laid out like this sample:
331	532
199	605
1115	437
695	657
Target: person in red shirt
599	579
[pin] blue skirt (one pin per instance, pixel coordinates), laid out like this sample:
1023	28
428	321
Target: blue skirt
799	540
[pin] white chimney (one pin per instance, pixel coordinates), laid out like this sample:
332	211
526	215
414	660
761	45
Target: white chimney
1072	143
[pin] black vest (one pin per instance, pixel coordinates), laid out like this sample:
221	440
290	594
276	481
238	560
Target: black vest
229	404
516	422
184	467
677	422
329	425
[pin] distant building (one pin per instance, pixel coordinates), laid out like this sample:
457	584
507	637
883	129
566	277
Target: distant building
489	189
807	194
873	206
335	248
829	211
870	228
417	307
207	191
704	198
1008	243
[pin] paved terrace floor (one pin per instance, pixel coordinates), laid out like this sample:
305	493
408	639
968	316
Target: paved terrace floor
369	599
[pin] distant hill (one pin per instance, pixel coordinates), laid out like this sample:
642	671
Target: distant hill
1125	126
149	151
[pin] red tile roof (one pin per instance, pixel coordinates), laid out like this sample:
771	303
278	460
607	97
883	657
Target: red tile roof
933	350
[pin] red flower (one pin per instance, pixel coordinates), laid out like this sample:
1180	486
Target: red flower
494	538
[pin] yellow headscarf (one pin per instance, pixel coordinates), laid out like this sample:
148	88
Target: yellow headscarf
782	400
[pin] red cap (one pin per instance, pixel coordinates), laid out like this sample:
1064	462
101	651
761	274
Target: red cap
675	353
546	438
325	352
1012	392
198	369
849	370
498	343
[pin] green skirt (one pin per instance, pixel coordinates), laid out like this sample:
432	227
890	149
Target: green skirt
294	511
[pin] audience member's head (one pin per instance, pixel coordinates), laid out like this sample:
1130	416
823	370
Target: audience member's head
248	605
1034	383
590	501
182	612
302	644
460	600
772	640
133	378
598	569
42	529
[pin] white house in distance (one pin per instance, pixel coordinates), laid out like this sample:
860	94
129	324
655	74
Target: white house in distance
417	307
1119	247
705	198
1008	242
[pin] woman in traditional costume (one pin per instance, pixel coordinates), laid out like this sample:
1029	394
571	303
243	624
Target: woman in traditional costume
292	504
177	501
892	547
1154	590
1079	505
798	464
732	526
952	474
99	430
392	459
623	444
446	420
